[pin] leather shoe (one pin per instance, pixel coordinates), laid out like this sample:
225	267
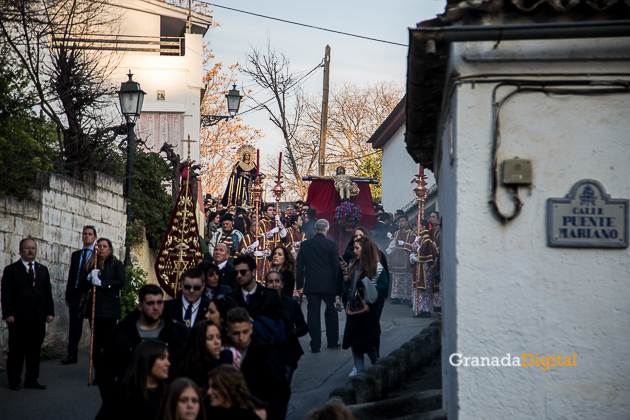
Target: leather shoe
34	385
334	346
14	386
69	360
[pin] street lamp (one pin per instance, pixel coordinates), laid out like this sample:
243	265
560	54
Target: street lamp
234	102
131	98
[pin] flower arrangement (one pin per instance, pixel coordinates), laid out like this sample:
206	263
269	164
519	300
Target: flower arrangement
348	215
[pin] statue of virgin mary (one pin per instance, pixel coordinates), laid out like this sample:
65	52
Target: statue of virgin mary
237	190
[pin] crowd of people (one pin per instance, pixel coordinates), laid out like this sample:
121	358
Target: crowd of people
229	345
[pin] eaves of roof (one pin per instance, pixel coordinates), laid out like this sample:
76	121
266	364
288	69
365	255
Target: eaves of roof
490	20
390	126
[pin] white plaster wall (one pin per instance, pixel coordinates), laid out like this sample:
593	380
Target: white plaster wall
505	291
398	170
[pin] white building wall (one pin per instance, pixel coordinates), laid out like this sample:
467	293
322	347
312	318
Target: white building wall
398	170
506	291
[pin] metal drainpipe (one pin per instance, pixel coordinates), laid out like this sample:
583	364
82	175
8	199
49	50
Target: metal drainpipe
563	30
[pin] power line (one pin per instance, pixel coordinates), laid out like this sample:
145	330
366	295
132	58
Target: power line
303	24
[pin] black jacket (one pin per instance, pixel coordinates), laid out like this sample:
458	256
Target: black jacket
264	302
227	276
108	293
174	308
75	259
297	328
266	378
317	266
21	299
124	338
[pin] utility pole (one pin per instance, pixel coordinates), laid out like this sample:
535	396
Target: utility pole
324	123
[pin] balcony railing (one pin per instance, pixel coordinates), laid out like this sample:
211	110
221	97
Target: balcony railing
158	45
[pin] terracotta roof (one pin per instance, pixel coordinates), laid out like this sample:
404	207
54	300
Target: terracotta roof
388	128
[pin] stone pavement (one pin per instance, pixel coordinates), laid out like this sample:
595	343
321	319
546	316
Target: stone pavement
68	396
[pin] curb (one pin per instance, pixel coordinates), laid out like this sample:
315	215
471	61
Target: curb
389	372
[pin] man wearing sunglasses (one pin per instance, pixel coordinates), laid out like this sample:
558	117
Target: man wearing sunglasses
187	308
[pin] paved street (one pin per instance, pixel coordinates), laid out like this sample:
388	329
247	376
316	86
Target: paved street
68	397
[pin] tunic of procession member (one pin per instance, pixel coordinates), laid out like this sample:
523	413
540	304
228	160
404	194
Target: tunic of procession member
295	235
399	250
77	273
272	227
426	293
226	235
27	305
434	218
192	305
256	245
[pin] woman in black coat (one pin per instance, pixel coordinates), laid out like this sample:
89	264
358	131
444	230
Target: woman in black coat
106	276
296	325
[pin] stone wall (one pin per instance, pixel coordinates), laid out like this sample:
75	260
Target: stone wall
54	216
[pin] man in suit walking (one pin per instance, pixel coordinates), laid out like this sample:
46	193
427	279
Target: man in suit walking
27	305
256	298
317	267
77	273
192	305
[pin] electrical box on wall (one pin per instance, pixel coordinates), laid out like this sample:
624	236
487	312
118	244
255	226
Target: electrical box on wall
517	171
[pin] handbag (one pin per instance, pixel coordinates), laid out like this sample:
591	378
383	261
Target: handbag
357	305
371	294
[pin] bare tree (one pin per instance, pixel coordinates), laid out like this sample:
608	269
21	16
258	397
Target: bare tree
68	75
270	71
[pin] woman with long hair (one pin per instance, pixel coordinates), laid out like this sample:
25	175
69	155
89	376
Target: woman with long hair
363	329
183	401
106	275
296	325
228	395
141	393
295	235
213	286
283	262
203	352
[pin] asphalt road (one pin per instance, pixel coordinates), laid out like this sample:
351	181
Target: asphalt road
68	397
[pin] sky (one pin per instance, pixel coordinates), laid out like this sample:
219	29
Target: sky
353	60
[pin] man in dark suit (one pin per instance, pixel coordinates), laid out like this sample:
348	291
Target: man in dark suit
256	298
221	257
77	273
27	305
192	305
317	267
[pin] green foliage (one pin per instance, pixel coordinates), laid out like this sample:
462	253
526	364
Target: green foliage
136	278
371	167
152	204
26	141
49	353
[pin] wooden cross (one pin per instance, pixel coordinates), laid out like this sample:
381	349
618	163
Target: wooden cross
189	141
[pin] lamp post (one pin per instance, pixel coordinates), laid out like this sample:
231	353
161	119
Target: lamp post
233	102
131	98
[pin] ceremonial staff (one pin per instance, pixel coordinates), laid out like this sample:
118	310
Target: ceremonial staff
257	190
278	190
92	335
420	191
